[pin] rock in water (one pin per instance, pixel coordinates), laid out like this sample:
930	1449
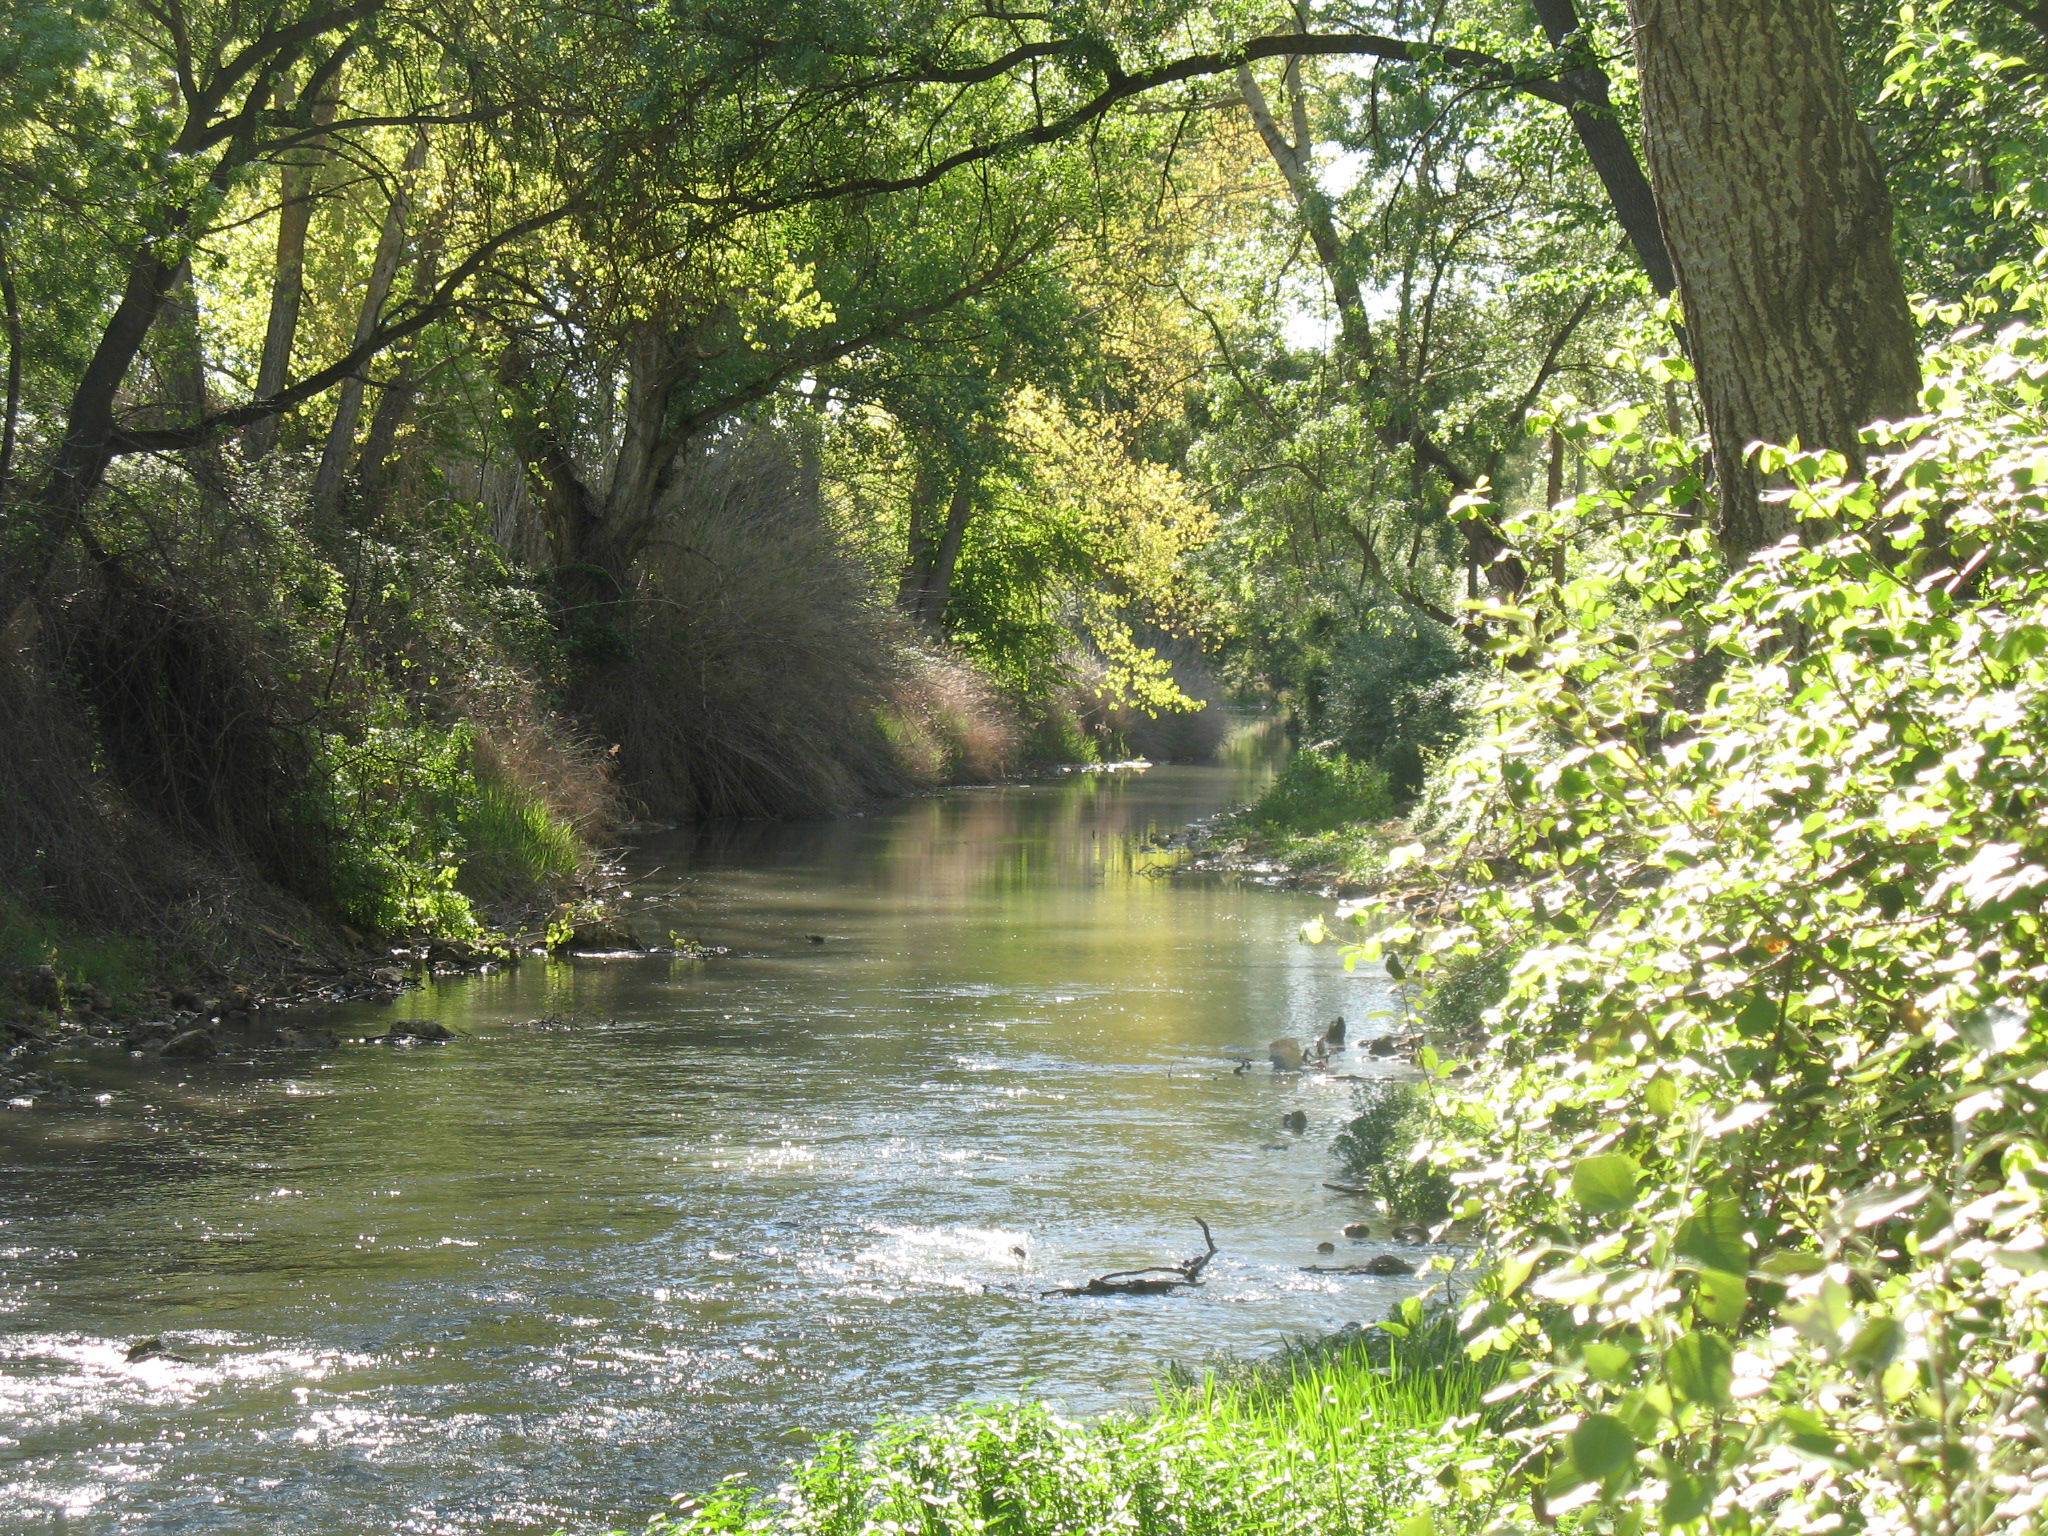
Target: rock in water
1387	1264
1296	1122
1357	1229
1334	1034
1326	1247
1285	1055
424	1031
192	1045
603	936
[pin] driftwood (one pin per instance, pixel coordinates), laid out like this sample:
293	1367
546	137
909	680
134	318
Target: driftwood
1384	1264
1157	1280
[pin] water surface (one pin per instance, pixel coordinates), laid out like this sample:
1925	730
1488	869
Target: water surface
651	1222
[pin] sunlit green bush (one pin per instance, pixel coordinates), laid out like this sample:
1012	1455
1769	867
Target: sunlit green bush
1322	790
1376	1150
1762	1134
1334	1441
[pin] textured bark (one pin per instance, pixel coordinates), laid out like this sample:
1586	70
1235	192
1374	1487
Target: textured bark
288	279
10	318
348	409
1775	212
935	553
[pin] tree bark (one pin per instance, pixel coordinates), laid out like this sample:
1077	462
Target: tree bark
1607	146
180	355
1775	212
937	586
288	279
348	408
10	318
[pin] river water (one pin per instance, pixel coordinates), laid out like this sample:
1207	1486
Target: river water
651	1222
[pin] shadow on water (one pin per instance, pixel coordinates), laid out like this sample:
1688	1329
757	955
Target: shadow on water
649	1222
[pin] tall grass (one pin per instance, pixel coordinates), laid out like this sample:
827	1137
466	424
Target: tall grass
1338	1441
514	845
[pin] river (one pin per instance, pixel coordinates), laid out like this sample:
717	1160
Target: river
651	1222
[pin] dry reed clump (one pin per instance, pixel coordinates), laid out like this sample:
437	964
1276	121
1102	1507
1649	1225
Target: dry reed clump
762	679
542	756
950	723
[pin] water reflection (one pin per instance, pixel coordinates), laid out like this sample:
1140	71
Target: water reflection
554	1272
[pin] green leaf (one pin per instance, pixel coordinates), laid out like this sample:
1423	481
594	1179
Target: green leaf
1601	1445
1721	1298
1687	1497
1607	1361
1876	1344
1605	1184
1713	1238
1702	1369
1661	1096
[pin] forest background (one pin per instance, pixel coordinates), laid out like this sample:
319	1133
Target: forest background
435	433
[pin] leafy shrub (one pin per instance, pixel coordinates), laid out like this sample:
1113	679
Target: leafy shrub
1320	790
1392	693
1378	1148
1339	1439
1763	1136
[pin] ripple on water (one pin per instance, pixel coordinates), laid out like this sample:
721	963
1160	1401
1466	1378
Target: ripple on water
549	1276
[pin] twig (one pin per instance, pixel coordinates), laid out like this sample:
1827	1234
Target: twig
1155	1280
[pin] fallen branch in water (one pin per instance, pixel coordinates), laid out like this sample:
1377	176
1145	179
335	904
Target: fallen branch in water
1154	1281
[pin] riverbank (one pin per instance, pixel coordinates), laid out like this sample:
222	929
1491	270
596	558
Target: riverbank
1324	823
1356	1434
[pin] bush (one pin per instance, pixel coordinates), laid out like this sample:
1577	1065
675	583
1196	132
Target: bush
1380	1146
1392	694
1339	1439
1763	1138
1320	790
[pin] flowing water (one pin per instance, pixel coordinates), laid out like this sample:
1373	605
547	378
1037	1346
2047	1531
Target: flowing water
650	1222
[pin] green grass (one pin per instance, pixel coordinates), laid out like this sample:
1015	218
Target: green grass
1337	1441
513	844
118	967
1323	814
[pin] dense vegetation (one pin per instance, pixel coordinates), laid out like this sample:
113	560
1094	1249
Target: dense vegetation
1338	1439
432	432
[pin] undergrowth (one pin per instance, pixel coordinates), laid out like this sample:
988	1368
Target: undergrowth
1757	1135
1339	1439
1323	814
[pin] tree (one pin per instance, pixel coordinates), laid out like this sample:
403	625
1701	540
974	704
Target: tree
1780	228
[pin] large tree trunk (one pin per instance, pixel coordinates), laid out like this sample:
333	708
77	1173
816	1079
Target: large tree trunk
1776	216
10	319
81	460
936	536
